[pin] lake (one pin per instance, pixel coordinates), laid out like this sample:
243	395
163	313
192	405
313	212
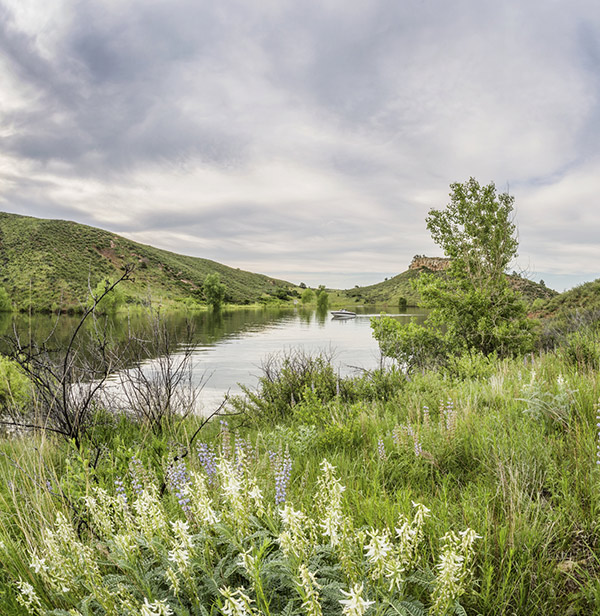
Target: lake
229	348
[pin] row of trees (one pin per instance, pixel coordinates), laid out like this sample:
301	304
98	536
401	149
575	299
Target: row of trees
472	307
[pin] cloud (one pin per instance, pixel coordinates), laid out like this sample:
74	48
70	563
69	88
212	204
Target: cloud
307	138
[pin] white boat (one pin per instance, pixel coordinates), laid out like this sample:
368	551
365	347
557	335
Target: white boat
343	314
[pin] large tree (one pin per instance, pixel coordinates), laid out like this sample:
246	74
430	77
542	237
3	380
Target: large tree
214	290
472	305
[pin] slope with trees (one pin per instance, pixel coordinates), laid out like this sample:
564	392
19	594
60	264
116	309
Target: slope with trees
51	264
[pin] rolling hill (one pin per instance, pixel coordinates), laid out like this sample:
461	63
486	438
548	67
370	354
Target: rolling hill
49	263
390	291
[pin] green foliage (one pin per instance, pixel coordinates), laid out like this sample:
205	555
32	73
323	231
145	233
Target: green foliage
322	299
505	446
308	296
473	308
224	536
15	388
5	303
112	300
51	262
290	379
474	302
214	290
412	345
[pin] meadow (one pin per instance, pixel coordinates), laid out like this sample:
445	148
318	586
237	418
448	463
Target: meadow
471	488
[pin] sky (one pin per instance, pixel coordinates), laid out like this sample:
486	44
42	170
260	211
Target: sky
305	139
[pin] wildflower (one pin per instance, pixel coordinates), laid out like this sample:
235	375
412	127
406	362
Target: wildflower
178	480
201	503
150	517
381	449
329	499
236	605
28	598
308	587
282	477
120	489
377	551
450	417
38	564
138	475
453	570
294	540
173	580
208	460
225	439
157	608
355	605
426	416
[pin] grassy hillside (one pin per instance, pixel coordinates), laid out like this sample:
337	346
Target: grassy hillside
390	291
49	262
580	299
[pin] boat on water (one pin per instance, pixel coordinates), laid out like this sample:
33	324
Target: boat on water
343	314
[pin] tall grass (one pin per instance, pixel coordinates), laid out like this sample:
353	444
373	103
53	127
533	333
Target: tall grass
506	448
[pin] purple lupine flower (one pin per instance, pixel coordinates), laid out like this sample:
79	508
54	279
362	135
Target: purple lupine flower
178	480
381	449
120	489
208	459
282	477
450	416
598	426
136	471
426	415
396	436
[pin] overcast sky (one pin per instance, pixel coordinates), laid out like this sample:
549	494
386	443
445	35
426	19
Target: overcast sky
305	139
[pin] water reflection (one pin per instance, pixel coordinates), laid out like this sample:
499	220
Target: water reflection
229	346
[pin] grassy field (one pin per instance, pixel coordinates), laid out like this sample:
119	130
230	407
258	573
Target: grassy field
311	499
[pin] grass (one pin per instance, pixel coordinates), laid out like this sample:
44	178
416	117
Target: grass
48	264
507	448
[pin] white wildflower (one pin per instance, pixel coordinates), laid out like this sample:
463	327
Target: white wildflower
294	539
355	605
28	598
453	570
247	561
201	503
308	587
173	580
329	501
150	516
38	564
237	603
181	530
378	551
157	608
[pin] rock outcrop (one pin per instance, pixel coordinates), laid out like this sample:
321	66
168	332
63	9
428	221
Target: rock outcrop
435	264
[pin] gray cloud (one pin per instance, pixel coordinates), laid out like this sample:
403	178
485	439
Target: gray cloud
309	138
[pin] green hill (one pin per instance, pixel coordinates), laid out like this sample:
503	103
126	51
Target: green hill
582	299
392	290
50	263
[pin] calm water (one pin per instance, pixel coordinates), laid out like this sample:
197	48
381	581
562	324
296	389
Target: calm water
228	349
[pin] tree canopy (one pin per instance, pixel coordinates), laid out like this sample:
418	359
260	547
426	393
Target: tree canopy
472	305
214	290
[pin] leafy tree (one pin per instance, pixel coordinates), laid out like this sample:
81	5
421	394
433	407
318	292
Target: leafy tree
111	299
472	306
322	299
214	290
5	303
308	295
